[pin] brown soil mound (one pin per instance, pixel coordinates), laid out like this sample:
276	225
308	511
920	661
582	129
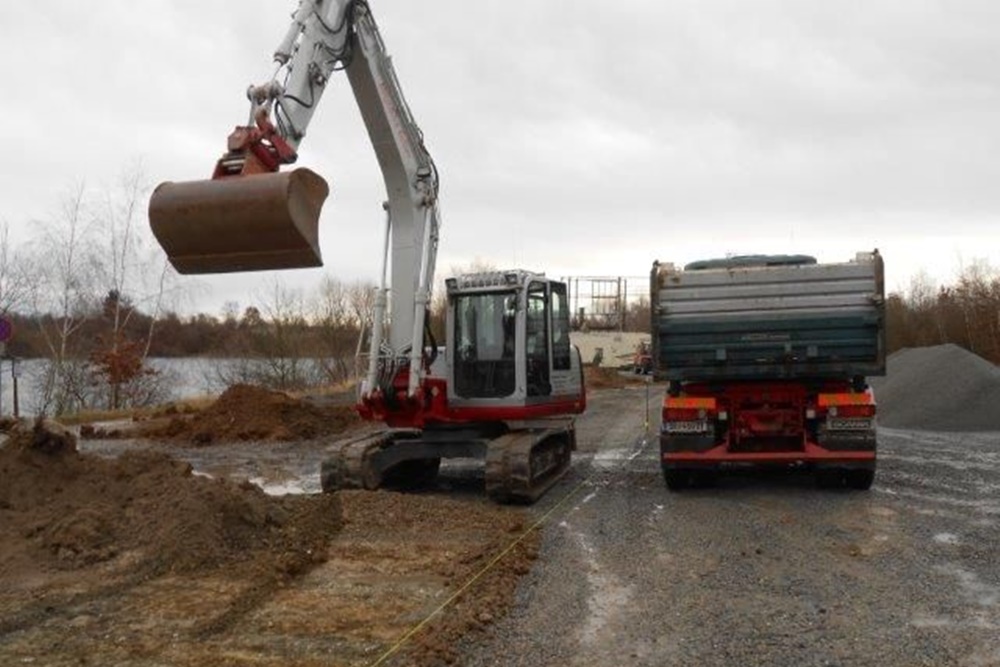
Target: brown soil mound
145	513
249	413
244	412
137	560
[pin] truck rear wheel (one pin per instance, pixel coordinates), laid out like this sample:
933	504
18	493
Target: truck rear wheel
860	479
830	478
677	480
703	479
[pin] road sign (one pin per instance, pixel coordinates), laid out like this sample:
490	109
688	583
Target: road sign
6	329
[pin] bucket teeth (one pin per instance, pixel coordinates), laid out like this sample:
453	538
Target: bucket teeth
259	222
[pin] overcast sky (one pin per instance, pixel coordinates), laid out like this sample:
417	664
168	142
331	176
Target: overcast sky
574	137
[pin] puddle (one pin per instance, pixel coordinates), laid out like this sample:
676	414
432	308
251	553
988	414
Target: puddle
284	487
610	458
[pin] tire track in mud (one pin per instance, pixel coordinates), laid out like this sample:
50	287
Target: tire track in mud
954	475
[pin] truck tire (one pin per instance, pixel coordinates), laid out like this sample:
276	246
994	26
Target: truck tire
830	478
860	479
704	479
677	480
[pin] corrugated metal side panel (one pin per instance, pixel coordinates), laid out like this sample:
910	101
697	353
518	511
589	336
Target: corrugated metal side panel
819	320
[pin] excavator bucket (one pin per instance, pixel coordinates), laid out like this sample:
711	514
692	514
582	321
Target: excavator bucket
257	222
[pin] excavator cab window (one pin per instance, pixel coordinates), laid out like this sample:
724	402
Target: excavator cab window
560	328
484	345
537	340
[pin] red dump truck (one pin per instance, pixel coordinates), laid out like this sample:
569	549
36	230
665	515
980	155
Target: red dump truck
766	359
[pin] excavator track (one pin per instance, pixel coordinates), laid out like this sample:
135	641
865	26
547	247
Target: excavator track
523	465
349	466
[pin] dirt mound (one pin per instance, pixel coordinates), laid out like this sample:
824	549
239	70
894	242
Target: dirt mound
249	413
64	510
940	388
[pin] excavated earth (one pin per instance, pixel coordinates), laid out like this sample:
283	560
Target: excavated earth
126	554
242	413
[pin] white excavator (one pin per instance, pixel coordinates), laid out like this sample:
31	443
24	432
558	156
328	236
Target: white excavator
506	385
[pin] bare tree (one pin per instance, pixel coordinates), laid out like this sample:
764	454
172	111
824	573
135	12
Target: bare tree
134	275
62	291
339	326
974	293
14	281
638	315
98	282
277	333
361	301
966	313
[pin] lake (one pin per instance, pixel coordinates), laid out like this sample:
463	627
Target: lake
185	377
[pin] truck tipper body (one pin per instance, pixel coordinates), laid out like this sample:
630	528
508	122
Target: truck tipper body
766	359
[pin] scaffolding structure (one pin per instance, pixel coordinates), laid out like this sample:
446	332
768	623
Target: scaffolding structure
601	303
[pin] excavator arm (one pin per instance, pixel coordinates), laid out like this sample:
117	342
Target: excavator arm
251	216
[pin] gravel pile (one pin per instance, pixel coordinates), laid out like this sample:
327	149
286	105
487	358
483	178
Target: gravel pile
940	388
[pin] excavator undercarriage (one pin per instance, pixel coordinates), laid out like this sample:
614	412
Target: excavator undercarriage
523	459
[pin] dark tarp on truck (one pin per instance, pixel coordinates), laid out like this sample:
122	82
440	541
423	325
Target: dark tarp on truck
768	317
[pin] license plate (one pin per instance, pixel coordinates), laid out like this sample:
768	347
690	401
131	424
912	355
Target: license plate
845	424
686	427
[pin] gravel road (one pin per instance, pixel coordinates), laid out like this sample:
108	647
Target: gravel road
763	569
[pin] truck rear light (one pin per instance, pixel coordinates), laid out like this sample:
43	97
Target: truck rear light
847	405
687	408
689	402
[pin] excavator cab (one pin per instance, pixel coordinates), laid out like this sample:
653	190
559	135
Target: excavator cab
509	343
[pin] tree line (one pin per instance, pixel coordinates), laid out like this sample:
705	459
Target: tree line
90	294
965	313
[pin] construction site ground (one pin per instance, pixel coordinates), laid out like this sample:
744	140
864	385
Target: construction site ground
607	568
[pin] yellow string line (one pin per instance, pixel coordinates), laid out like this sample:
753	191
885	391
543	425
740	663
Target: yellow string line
419	626
479	575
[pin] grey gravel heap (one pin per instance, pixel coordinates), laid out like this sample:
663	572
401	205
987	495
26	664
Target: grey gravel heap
939	388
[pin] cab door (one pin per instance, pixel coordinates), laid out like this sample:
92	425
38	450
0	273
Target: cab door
538	317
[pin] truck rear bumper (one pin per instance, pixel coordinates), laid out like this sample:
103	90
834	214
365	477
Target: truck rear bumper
811	453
